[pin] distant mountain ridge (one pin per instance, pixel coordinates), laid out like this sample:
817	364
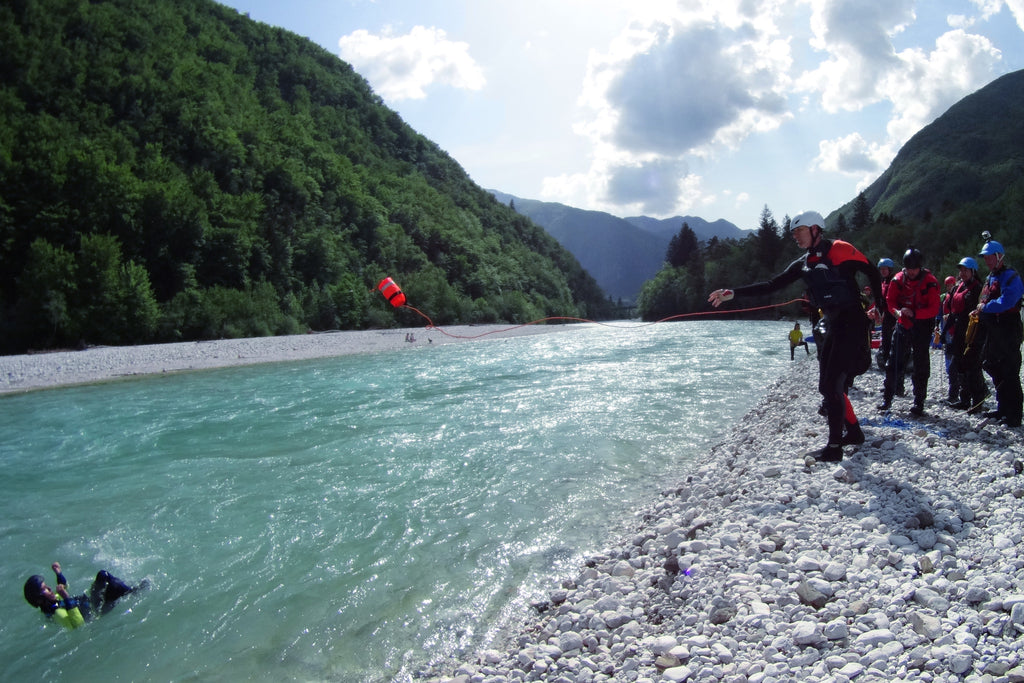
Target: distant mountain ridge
620	253
667	227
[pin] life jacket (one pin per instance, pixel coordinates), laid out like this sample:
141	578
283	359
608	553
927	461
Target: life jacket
829	288
67	614
959	301
915	295
993	288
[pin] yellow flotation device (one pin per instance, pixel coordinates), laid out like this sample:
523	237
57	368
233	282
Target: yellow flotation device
68	617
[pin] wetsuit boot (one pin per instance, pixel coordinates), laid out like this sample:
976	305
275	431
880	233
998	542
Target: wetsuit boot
920	389
962	400
854	436
833	452
887	392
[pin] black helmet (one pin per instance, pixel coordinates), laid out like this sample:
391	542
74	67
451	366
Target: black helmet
34	590
913	258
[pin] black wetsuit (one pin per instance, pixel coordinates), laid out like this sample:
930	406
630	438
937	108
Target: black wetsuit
829	270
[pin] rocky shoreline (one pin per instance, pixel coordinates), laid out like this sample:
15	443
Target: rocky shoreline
28	372
904	562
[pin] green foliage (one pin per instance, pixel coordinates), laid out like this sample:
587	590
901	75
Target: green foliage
46	289
670	293
239	170
93	294
223	313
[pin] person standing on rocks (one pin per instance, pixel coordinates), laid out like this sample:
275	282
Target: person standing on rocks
843	336
998	313
886	269
966	383
913	297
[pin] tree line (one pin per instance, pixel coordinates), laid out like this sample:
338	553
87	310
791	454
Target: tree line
693	268
172	170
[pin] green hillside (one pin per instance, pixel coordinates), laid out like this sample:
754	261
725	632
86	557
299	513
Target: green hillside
170	169
958	176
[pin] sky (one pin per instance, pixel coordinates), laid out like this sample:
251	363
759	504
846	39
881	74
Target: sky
708	108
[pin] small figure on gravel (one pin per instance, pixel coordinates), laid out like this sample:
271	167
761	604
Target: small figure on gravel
73	611
843	335
796	338
966	382
998	313
913	297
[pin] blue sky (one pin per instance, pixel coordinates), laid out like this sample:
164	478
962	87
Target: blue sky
712	108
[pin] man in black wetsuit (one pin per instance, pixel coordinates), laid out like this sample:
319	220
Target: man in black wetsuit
828	268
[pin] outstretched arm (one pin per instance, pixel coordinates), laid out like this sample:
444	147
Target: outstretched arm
720	296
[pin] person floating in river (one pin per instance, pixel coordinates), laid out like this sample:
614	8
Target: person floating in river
73	611
843	335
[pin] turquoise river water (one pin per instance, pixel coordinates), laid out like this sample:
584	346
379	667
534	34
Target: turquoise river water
355	518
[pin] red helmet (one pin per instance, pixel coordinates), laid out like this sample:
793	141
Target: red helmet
950	280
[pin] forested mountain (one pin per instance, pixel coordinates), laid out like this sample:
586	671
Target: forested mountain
621	253
620	256
958	176
170	169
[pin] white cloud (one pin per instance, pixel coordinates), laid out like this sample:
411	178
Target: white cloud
988	8
863	68
926	84
851	155
402	67
699	77
1016	8
856	35
654	186
959	21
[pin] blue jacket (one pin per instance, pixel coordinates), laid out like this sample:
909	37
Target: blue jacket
1003	291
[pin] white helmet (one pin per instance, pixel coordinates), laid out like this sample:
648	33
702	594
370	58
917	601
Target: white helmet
809	219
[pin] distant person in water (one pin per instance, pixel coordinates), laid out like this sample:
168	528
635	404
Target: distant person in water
73	611
796	338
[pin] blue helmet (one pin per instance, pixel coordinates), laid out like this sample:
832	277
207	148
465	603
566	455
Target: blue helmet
991	247
969	263
887	262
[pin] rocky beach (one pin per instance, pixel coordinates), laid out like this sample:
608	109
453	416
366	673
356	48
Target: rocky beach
102	363
903	562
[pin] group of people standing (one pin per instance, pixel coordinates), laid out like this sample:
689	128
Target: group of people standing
981	322
979	328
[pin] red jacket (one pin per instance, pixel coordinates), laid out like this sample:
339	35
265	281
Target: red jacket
921	296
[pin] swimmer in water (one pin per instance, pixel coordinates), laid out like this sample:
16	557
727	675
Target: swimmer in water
73	611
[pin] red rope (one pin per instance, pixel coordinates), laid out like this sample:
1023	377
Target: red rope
432	326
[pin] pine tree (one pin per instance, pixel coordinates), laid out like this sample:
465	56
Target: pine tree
861	213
